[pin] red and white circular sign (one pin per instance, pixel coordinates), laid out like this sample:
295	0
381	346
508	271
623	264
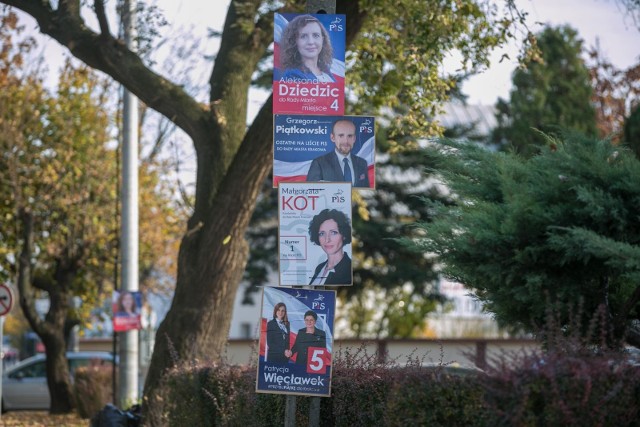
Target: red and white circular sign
6	300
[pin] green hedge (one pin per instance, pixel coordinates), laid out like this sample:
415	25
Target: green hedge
532	391
221	396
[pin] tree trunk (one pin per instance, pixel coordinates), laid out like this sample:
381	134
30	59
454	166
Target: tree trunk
52	334
212	258
51	329
58	378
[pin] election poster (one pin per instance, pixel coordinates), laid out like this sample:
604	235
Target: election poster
127	308
296	341
308	58
314	149
315	233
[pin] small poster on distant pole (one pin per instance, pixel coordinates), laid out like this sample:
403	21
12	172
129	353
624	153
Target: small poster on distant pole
308	56
296	341
127	308
315	233
314	149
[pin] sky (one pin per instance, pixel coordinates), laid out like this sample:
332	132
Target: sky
597	21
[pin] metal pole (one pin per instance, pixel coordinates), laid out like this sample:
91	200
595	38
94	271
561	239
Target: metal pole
313	7
290	411
128	373
314	412
321	6
114	351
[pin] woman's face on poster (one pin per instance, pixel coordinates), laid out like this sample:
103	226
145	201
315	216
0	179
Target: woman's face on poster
330	238
310	323
310	41
128	303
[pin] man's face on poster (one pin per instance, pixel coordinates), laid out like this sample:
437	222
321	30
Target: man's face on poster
344	136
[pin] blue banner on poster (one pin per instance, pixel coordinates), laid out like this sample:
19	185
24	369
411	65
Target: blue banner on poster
296	341
313	149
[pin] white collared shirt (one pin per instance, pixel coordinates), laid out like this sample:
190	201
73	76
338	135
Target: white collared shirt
322	276
281	325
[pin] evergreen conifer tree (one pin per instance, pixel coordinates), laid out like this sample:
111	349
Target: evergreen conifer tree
552	92
560	227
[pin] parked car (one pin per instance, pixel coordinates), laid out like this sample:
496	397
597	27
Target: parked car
24	385
9	354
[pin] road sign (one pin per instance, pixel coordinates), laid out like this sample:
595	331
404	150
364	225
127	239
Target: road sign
6	300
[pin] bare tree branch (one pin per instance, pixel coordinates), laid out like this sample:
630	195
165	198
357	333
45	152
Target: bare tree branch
113	58
102	18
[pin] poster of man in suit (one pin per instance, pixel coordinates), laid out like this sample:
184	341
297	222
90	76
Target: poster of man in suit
324	149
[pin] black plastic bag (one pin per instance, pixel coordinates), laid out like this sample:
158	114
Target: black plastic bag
111	416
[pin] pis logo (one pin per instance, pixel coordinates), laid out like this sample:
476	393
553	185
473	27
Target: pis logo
366	126
336	25
338	197
317	305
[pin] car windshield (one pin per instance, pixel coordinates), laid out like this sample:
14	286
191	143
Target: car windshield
34	370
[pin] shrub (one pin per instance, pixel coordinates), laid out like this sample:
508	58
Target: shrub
561	389
364	392
359	386
571	385
436	396
92	389
212	395
581	379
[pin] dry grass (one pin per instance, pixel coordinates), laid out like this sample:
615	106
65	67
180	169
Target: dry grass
41	419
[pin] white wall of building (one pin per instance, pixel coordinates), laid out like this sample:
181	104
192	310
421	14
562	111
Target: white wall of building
245	321
464	317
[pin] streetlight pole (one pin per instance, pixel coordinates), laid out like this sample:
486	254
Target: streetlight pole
128	371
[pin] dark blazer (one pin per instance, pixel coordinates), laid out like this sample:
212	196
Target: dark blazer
304	341
342	274
328	168
277	342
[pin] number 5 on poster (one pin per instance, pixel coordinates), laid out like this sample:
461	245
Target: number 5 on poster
318	360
